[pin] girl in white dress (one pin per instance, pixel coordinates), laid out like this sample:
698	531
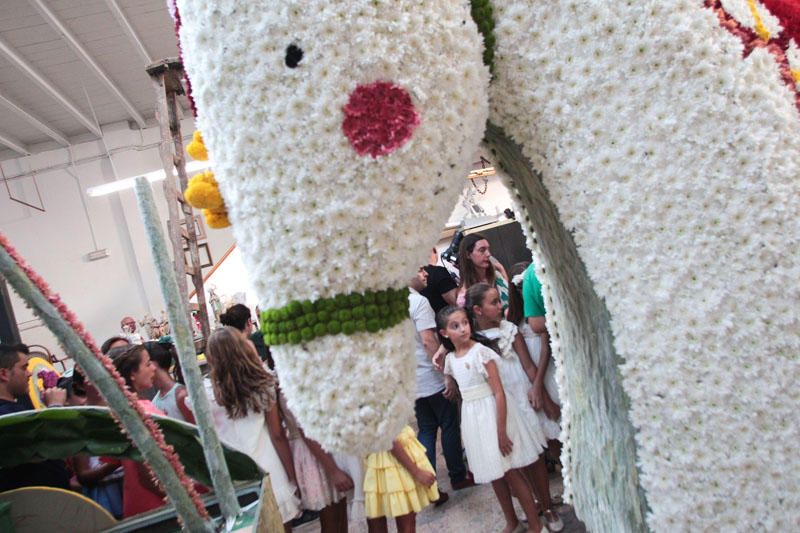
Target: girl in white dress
550	414
244	408
518	373
171	396
485	411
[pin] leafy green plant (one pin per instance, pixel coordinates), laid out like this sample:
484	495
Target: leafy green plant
64	432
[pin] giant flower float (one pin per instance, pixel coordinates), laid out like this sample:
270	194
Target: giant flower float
338	131
653	150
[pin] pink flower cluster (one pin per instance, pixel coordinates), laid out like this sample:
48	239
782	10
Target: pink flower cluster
776	46
48	377
379	118
133	399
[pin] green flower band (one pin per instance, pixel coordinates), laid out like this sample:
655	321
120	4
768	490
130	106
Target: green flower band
344	313
482	14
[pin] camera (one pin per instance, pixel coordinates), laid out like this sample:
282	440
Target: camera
451	254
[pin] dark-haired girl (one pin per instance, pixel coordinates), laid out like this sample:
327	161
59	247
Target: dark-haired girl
139	493
518	373
484	409
171	396
239	317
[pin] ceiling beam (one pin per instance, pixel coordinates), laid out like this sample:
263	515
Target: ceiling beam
47	86
56	135
133	37
14	144
86	57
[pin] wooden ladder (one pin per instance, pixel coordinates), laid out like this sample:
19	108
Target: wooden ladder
167	75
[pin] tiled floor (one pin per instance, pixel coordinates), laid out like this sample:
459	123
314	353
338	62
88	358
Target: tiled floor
473	510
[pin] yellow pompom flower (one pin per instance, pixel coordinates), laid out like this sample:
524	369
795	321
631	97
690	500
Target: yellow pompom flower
216	218
197	148
207	176
203	192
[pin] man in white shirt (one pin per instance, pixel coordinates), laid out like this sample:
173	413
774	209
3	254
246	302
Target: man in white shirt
433	410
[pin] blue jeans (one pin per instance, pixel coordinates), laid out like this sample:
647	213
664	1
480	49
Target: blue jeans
434	412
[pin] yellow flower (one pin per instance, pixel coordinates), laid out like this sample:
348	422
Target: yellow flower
216	218
207	176
203	192
197	148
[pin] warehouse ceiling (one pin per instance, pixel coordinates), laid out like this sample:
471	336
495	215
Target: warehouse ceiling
67	66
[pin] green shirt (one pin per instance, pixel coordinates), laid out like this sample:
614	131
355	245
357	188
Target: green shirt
532	300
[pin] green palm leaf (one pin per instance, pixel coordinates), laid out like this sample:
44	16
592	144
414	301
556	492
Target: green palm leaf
63	432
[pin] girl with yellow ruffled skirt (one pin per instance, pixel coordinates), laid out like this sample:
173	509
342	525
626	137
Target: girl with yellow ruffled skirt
398	484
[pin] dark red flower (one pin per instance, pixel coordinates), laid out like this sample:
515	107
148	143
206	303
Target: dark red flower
788	13
379	118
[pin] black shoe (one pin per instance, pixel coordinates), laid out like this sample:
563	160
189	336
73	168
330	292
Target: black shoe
307	516
467	482
443	497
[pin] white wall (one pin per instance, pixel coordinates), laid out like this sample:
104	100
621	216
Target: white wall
56	242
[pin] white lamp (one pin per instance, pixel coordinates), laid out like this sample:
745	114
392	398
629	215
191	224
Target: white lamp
128	183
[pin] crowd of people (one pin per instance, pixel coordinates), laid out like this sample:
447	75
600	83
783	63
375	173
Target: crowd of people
483	368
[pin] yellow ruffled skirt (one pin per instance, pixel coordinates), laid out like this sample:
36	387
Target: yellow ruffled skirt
389	489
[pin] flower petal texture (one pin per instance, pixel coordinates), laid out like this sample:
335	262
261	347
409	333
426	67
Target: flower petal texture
673	160
312	217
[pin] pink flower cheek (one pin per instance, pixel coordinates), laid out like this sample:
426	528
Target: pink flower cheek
379	118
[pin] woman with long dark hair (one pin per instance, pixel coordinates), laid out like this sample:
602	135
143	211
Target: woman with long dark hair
476	265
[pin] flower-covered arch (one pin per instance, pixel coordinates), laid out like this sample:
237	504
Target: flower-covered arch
669	148
654	149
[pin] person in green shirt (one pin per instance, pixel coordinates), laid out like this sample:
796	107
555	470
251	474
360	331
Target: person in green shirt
534	312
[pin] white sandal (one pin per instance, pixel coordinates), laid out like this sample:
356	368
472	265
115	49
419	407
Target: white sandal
553	521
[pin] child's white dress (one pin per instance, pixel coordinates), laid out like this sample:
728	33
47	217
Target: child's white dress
479	418
551	428
250	436
516	381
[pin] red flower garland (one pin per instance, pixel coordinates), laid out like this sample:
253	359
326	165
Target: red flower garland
176	16
379	118
133	399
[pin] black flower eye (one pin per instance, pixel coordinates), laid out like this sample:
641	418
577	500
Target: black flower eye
294	54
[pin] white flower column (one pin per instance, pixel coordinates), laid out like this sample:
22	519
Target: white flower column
673	162
341	133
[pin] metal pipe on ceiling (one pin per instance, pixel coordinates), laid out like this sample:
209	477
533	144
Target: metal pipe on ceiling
87	58
47	86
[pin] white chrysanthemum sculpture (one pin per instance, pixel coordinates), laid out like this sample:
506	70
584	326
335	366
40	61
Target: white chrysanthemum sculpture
341	133
667	136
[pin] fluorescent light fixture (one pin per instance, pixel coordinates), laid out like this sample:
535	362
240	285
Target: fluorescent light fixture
128	183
